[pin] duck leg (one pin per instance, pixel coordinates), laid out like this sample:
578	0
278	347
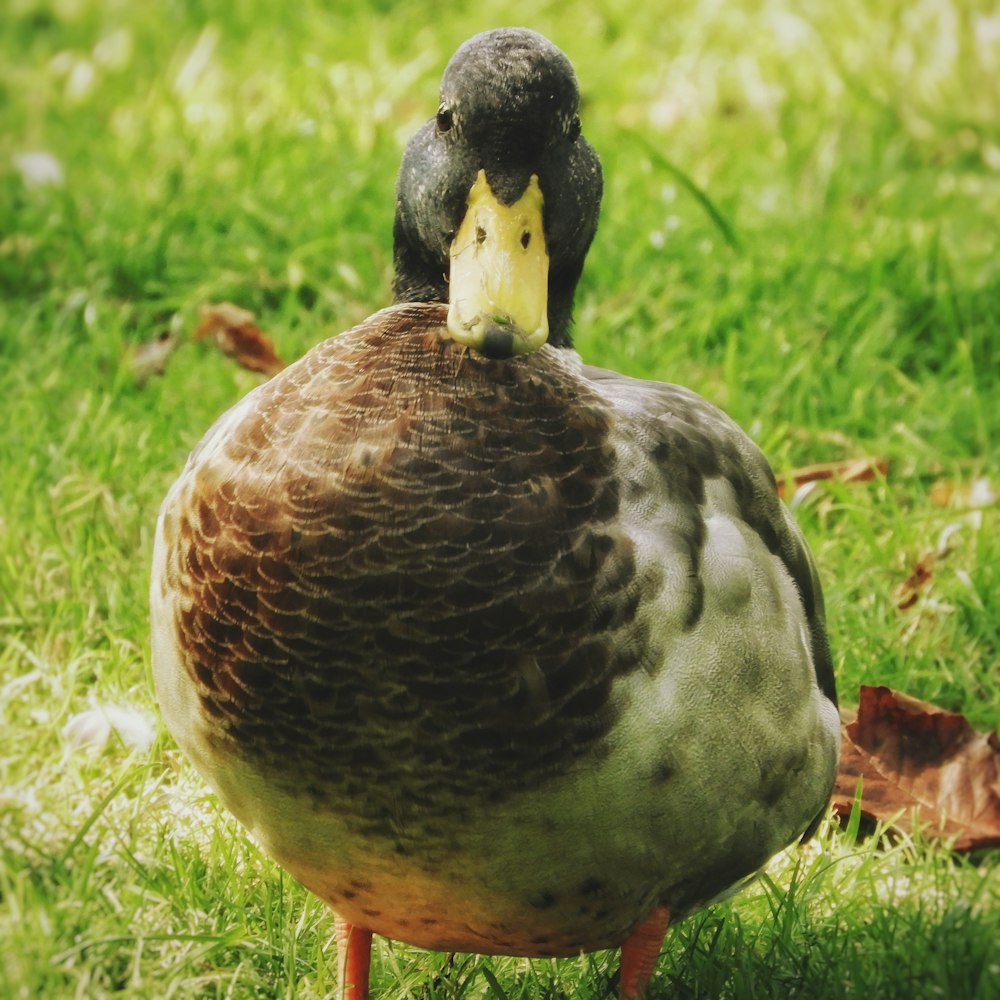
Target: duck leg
354	958
639	954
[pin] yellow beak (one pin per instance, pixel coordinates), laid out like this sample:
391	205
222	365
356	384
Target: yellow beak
499	282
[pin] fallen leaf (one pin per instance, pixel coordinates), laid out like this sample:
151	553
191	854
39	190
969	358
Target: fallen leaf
920	766
238	337
963	496
850	470
921	576
150	358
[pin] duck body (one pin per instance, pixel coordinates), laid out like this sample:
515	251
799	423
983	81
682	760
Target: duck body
495	655
492	650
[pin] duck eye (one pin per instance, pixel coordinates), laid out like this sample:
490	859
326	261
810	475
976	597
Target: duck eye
574	129
445	119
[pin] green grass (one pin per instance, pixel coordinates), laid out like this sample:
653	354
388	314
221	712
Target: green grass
800	223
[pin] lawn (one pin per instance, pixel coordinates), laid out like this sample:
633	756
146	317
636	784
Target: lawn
801	222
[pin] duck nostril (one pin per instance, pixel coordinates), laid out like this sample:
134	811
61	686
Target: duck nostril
480	235
525	239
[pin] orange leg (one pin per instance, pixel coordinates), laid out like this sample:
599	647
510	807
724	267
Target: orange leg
354	959
640	951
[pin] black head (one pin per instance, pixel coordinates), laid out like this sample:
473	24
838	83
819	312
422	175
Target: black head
509	106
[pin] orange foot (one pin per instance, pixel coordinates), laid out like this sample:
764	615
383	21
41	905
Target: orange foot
354	959
640	951
639	954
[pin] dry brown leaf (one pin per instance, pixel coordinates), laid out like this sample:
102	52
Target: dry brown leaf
921	576
920	765
963	496
913	587
238	337
849	470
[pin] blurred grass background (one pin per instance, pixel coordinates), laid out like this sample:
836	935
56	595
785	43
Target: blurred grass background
801	222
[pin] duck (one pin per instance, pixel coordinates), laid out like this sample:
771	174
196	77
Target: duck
492	650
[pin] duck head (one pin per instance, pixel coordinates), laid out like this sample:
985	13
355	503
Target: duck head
498	196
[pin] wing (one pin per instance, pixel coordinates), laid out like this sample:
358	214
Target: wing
699	442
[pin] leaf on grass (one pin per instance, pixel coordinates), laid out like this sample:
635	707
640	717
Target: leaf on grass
150	358
238	337
920	765
921	576
963	496
849	470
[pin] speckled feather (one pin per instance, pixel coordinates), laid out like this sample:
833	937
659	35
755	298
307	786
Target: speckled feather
371	564
402	590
